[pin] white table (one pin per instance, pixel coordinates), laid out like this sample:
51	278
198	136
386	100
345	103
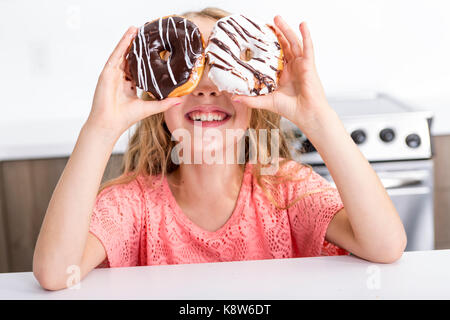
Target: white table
417	275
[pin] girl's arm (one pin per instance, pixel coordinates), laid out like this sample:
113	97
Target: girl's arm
369	225
64	240
63	236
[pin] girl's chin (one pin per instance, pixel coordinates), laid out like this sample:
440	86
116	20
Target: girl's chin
208	148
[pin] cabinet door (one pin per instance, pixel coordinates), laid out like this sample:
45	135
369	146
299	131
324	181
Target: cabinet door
27	188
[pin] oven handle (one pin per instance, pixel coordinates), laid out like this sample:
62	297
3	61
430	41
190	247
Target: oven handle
395	183
396	180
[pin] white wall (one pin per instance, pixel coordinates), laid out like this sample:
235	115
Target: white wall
52	51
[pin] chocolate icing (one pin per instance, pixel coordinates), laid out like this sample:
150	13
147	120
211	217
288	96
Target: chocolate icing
179	36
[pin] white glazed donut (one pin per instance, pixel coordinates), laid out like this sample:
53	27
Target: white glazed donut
244	56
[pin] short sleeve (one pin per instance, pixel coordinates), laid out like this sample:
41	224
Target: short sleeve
311	215
116	222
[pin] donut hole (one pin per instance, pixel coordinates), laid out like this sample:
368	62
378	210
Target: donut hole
246	54
164	55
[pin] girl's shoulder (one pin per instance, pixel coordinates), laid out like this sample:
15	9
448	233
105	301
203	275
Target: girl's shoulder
131	187
302	174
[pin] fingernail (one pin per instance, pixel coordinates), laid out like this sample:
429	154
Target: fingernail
237	101
176	104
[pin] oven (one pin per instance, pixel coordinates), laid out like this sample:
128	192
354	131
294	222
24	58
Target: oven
396	141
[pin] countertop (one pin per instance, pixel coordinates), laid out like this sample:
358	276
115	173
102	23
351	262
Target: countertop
416	275
51	138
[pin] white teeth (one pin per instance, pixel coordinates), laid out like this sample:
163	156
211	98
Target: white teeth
206	117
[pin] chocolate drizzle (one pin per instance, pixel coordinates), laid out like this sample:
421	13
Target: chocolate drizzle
262	78
218	57
214	65
237	30
221	25
247	33
259	59
259	47
256	25
151	73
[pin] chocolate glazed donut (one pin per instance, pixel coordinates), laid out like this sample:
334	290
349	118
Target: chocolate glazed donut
166	58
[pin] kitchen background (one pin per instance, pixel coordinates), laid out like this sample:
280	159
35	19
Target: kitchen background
53	51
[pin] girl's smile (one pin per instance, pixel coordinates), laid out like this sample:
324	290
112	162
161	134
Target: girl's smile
207	116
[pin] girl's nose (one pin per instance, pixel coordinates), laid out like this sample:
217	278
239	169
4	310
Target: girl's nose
206	88
206	91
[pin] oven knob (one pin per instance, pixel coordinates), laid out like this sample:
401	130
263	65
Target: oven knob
307	147
413	140
387	135
358	136
297	134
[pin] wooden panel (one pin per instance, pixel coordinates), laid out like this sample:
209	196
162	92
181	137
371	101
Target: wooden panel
442	218
27	187
4	255
442	161
19	199
442	191
113	169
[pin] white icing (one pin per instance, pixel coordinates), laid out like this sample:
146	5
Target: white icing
186	40
169	68
225	80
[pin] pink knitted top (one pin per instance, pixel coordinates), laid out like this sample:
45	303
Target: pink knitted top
139	225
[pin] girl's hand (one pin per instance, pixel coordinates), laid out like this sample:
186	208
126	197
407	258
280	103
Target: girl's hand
116	106
300	94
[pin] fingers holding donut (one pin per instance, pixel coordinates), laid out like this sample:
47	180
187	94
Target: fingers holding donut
258	102
129	85
288	37
289	34
143	109
284	44
297	78
114	71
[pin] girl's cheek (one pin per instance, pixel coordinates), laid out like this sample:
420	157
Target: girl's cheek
174	118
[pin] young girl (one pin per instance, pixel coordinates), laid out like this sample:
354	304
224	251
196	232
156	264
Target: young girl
158	212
